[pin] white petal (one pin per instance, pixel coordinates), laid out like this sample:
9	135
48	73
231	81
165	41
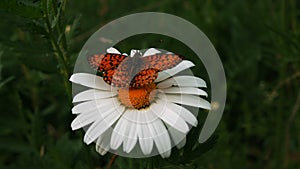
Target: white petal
183	113
90	80
182	81
125	54
169	116
119	133
181	143
131	134
166	154
95	105
187	100
161	137
185	90
93	94
102	144
84	107
177	137
145	138
151	51
112	50
133	51
101	125
86	118
185	64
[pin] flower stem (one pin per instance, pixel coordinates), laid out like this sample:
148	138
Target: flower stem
112	160
130	164
151	163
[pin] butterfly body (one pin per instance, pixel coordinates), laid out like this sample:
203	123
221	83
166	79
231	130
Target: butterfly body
137	71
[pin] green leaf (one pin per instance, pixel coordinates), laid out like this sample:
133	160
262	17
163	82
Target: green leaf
37	135
22	8
56	18
64	152
34	54
36	27
73	28
60	37
2	83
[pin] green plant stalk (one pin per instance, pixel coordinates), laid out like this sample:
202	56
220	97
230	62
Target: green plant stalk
63	40
63	67
59	54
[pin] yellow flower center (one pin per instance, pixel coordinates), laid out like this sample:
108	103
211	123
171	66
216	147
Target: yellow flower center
137	98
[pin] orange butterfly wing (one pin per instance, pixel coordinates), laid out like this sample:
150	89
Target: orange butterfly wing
122	71
153	64
162	61
105	62
126	71
144	77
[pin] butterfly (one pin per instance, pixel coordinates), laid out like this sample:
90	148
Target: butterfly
124	71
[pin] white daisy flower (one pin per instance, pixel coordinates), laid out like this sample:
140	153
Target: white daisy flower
160	122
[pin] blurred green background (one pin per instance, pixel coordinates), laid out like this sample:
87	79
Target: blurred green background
258	43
